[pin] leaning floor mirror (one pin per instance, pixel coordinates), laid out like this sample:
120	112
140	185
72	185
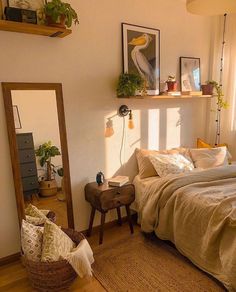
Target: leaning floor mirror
38	146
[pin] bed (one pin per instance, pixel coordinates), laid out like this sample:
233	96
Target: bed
197	212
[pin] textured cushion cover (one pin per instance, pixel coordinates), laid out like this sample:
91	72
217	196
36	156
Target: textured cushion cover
170	164
34	220
209	157
146	169
31	241
56	244
33	211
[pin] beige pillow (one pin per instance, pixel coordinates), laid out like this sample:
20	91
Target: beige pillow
33	211
31	241
209	157
34	220
165	164
145	166
56	244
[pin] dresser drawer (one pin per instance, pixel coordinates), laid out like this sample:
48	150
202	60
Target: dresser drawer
26	155
117	197
25	141
30	183
28	169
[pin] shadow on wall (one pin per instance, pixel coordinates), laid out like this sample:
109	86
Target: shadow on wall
171	125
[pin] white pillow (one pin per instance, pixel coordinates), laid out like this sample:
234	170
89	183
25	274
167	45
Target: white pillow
209	157
165	164
31	241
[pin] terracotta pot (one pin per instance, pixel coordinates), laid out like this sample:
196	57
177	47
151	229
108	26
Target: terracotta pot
48	188
61	23
207	89
171	85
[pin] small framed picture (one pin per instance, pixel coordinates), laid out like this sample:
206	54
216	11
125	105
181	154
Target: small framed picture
26	4
190	75
141	54
16	117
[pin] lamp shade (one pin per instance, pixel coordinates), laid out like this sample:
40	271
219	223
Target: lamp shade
211	7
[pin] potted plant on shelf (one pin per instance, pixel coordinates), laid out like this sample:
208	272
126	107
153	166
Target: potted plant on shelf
45	152
60	14
171	83
207	89
130	84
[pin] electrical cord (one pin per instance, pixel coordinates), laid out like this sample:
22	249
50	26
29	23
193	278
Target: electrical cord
122	141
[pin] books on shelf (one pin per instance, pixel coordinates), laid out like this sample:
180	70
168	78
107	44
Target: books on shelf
173	93
118	181
194	93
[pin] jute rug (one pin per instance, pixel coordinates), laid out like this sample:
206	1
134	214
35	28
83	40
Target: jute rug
138	263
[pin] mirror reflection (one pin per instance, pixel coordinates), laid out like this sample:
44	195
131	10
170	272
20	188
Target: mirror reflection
39	151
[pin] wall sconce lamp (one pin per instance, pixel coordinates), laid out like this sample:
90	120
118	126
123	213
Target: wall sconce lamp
109	128
123	111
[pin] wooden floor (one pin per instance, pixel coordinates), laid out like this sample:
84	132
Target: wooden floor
13	277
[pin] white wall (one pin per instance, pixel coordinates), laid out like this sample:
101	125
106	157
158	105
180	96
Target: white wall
88	63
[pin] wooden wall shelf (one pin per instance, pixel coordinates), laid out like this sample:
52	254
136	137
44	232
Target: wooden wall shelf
33	29
167	97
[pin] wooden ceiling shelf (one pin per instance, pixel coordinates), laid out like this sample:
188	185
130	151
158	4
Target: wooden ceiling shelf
33	29
167	97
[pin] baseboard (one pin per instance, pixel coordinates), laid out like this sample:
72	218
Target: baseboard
10	259
111	224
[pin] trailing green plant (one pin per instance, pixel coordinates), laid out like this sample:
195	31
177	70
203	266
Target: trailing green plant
56	8
45	152
129	83
221	102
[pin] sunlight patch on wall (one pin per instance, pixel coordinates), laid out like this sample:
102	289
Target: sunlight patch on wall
173	135
153	128
120	147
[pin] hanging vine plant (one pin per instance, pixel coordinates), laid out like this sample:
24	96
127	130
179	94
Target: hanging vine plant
221	104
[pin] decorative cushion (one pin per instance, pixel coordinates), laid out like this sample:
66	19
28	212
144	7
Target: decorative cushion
33	211
31	241
145	166
56	244
34	220
203	144
165	164
209	157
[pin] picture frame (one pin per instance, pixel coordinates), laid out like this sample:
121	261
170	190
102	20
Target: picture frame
16	116
141	54
190	74
26	4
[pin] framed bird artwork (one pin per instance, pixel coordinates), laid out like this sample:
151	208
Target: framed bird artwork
141	54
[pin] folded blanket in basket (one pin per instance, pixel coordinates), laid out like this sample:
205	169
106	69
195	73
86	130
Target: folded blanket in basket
81	259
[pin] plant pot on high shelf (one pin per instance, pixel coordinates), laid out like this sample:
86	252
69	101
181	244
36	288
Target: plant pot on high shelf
207	89
59	14
60	23
171	83
48	188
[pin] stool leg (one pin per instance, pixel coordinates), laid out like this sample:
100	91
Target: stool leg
103	216
119	216
89	231
129	219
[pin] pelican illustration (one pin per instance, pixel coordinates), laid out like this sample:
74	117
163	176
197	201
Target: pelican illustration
140	61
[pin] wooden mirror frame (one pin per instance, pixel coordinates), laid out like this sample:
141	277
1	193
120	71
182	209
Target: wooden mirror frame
57	87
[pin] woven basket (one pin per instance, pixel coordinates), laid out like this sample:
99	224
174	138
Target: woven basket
52	276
